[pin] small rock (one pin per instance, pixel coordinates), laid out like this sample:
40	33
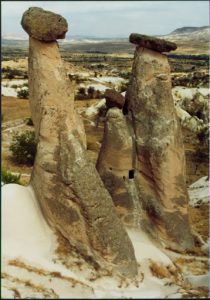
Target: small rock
114	99
44	25
152	43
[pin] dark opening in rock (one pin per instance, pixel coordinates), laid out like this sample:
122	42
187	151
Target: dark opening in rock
131	174
125	108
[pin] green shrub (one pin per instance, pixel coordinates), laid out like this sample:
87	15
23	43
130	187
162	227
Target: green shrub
8	177
23	147
91	90
81	91
23	94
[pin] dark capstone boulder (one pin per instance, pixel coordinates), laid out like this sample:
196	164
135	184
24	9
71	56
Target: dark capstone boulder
114	99
44	25
145	41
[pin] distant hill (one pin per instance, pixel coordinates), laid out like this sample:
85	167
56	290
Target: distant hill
190	40
185	30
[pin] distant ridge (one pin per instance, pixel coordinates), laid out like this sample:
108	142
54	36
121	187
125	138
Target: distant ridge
184	30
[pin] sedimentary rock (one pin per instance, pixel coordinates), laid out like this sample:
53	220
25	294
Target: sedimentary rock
44	25
116	163
149	42
69	189
114	99
160	167
142	160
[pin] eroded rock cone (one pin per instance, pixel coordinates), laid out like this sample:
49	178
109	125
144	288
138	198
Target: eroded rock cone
116	163
160	168
70	192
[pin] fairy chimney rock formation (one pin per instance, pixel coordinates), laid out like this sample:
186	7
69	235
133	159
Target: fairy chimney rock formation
116	162
142	159
70	192
160	168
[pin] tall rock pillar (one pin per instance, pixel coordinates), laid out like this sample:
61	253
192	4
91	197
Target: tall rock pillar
70	192
160	168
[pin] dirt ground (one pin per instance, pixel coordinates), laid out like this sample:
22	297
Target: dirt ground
13	108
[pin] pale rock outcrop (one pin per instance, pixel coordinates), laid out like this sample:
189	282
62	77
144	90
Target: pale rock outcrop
160	168
116	164
70	192
142	160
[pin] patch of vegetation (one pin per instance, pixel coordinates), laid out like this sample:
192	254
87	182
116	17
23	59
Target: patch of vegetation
23	94
91	94
8	177
23	148
10	73
29	122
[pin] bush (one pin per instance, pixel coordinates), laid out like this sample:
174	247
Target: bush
91	90
8	177
29	122
23	94
23	147
81	91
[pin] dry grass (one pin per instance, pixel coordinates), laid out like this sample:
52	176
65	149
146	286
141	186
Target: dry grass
84	103
19	264
192	265
13	108
27	283
198	293
161	271
199	219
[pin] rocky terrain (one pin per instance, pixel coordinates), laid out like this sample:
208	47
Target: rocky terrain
108	211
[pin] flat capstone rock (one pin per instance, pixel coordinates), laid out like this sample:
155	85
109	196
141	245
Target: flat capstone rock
114	99
145	41
44	25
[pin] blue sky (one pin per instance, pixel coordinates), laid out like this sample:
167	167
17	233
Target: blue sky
112	18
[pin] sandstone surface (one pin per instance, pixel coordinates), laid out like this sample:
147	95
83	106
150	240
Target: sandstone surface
116	164
142	160
44	25
70	191
152	43
160	168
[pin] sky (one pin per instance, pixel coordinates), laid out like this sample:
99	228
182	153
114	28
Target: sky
111	18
